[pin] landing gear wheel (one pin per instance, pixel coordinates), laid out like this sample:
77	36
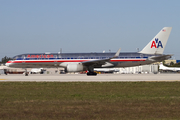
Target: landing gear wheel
91	74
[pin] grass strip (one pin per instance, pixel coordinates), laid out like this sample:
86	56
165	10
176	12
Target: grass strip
90	100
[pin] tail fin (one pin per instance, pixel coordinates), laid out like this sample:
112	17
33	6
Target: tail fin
158	43
161	66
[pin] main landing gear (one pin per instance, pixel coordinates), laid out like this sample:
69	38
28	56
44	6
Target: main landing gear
91	71
91	74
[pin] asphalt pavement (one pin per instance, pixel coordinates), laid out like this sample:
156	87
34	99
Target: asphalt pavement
85	78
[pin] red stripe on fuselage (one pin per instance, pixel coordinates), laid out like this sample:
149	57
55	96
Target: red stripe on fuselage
127	60
60	61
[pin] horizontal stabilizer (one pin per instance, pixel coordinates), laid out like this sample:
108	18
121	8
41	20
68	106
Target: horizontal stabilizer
159	58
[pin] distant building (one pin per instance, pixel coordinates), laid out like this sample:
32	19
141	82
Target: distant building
169	61
1	71
177	61
153	68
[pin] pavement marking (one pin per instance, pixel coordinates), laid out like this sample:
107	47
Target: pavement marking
2	79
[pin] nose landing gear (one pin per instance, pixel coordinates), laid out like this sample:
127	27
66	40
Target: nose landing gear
26	73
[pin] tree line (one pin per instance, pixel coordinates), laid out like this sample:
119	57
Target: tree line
5	59
172	64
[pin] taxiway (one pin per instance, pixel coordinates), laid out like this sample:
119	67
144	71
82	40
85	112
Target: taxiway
84	78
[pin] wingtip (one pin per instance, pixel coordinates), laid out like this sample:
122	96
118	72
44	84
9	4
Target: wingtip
117	53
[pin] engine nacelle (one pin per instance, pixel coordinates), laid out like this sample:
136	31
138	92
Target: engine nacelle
75	67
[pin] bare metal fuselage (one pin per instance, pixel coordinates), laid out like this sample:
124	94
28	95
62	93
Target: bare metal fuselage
60	60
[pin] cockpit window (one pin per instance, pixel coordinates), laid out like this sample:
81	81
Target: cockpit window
14	58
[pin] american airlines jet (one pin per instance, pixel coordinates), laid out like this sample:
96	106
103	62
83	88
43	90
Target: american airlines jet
76	62
162	67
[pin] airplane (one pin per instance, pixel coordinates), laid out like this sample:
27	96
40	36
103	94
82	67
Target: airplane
76	62
162	67
106	70
37	70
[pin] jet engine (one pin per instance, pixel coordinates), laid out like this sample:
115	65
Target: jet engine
75	67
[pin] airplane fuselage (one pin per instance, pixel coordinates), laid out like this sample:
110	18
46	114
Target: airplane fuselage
59	60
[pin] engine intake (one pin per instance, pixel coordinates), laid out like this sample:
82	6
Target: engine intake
75	67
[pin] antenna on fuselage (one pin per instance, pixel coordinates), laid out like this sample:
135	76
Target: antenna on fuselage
137	49
60	51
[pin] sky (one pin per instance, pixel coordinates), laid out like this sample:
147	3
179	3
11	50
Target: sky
38	26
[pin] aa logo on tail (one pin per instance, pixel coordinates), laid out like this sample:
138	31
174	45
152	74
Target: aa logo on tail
156	43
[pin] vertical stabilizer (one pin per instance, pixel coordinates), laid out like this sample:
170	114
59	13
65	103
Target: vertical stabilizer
158	43
161	66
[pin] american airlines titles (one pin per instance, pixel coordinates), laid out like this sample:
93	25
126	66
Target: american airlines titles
40	56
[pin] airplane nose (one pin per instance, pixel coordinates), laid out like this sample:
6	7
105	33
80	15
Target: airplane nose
7	64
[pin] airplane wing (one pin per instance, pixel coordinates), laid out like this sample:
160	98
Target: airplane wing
100	62
159	58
